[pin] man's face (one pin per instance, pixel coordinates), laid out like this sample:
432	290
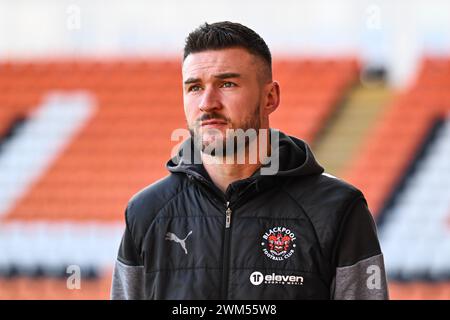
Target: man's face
223	89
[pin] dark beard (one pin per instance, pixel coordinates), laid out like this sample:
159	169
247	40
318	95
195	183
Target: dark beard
252	122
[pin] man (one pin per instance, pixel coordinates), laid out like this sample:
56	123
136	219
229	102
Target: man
220	228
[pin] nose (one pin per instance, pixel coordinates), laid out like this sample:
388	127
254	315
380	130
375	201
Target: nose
209	101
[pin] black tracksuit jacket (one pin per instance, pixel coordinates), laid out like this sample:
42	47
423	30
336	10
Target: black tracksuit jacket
298	234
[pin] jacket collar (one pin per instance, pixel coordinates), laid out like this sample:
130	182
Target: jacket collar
294	156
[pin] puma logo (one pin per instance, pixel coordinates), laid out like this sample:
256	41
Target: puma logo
173	237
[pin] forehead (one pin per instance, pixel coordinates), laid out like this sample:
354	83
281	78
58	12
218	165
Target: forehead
210	62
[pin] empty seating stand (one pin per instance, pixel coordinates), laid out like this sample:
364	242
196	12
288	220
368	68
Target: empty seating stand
126	144
311	91
121	148
395	140
415	235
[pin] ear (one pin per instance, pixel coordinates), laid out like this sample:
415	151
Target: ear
273	98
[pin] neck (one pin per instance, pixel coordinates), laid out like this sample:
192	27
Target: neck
226	172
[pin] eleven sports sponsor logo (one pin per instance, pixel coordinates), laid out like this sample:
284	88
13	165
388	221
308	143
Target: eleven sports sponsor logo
256	278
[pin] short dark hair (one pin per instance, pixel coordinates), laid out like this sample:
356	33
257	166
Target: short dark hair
226	34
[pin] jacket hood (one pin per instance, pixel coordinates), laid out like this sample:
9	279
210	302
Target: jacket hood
294	156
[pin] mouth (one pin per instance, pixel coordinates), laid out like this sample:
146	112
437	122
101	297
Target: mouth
213	123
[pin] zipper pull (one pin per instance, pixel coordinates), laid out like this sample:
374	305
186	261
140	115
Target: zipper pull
228	216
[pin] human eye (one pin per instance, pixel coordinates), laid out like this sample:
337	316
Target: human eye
194	88
228	84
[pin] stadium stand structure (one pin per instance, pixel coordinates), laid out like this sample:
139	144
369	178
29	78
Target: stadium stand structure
117	118
393	143
403	167
415	233
72	212
348	129
311	92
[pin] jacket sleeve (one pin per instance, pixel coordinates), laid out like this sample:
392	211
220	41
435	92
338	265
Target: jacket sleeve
128	275
358	260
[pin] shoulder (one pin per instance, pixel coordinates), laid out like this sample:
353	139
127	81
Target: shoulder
332	185
327	202
322	189
325	199
145	205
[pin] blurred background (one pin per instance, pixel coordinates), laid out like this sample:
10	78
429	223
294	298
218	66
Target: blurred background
90	92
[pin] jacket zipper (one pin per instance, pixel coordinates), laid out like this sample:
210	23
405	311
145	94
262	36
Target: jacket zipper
228	216
226	251
226	247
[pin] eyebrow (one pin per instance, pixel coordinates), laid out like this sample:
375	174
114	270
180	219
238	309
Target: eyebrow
222	76
227	75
